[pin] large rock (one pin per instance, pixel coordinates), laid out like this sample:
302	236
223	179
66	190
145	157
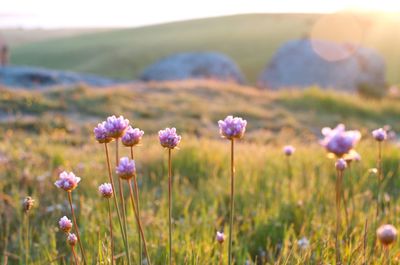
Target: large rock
35	77
194	65
297	64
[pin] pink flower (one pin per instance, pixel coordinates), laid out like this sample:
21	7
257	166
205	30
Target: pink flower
72	239
126	168
132	136
341	164
67	181
106	190
101	134
339	141
220	237
379	134
169	138
65	224
232	127
289	150
115	127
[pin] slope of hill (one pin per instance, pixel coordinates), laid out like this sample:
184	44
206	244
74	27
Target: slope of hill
250	40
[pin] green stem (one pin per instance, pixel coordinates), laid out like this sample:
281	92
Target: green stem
116	202
231	202
170	204
111	231
138	210
138	222
121	197
76	227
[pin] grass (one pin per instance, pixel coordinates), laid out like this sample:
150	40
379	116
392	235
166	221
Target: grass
36	145
251	40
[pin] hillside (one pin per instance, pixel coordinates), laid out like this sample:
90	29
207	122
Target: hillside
250	40
194	107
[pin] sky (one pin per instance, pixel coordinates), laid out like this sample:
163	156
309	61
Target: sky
128	13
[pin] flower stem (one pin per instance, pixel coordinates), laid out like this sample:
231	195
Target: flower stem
76	227
74	254
380	179
138	222
170	204
121	197
111	231
220	253
138	210
116	202
27	238
290	174
338	215
232	201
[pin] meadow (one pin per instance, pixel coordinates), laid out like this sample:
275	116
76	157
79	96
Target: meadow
43	132
250	40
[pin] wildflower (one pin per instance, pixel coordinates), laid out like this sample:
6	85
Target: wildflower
67	181
386	234
339	141
341	164
169	138
303	243
126	168
220	237
72	239
101	134
231	128
379	134
106	190
27	204
289	150
65	224
115	127
132	136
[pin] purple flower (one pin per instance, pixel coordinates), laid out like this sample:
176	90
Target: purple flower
72	239
341	164
67	181
65	224
289	150
339	141
379	134
115	127
387	234
132	136
100	133
126	168
169	138
106	190
220	237
231	128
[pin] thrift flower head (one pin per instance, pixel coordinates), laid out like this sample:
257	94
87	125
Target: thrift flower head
231	128
386	234
220	237
65	224
379	134
106	190
115	127
169	138
72	239
67	181
27	204
341	164
339	141
303	243
100	133
288	150
132	136
126	168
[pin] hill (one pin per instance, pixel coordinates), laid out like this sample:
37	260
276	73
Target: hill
250	40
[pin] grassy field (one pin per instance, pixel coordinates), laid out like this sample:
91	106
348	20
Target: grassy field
42	132
250	40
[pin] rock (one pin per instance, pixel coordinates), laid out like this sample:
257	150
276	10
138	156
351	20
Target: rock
194	65
296	64
34	77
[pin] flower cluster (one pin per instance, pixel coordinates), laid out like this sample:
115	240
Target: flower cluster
288	150
132	136
65	224
116	127
169	138
387	234
339	141
379	134
220	237
126	168
72	239
67	181
106	190
341	164
231	127
100	133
